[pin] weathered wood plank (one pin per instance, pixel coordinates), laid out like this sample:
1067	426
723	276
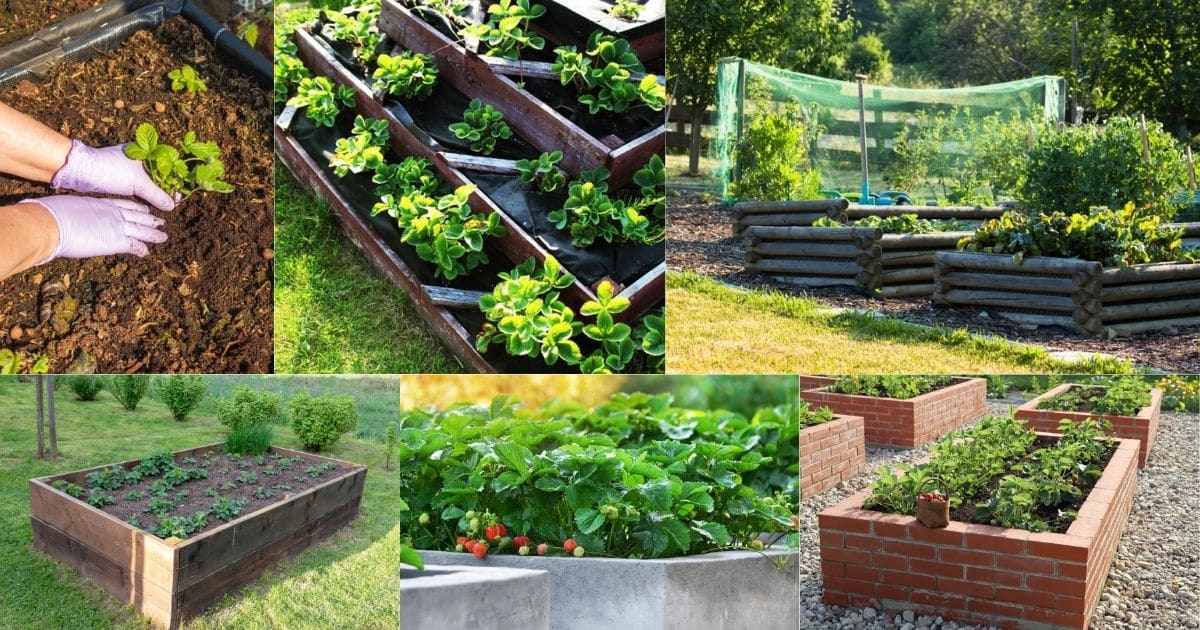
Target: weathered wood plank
1008	299
1130	292
806	267
1030	284
1003	262
814	233
821	206
1151	273
454	298
827	249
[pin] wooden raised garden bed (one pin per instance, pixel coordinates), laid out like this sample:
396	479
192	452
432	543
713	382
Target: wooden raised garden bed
886	265
981	574
1077	294
532	111
172	580
804	213
1142	427
573	21
906	423
830	453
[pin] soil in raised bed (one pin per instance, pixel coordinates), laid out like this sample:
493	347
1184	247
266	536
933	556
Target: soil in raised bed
201	302
275	477
20	18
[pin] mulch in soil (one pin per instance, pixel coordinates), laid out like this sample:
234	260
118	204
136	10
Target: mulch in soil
201	302
20	18
700	239
255	481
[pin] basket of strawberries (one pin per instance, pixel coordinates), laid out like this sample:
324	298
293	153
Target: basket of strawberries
933	508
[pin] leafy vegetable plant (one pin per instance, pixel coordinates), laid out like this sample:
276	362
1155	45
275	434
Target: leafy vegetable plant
903	224
408	75
321	100
507	32
811	417
445	230
603	76
195	166
543	171
482	126
185	79
363	150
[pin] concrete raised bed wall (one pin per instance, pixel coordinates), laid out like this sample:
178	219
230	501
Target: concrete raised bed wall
508	598
908	423
831	453
170	583
1010	578
1142	427
728	590
1080	295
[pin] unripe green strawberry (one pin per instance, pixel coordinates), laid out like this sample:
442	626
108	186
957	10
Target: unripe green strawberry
470	515
505	544
524	550
473	526
423	518
578	552
459	548
756	544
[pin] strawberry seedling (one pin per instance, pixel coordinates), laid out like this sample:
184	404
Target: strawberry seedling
321	100
603	76
193	167
408	75
590	214
543	171
363	150
482	126
185	79
445	231
507	32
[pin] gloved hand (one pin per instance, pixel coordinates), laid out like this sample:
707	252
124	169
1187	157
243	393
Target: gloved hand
108	171
89	227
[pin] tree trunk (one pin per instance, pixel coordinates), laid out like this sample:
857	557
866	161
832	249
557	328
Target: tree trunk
50	416
37	382
694	149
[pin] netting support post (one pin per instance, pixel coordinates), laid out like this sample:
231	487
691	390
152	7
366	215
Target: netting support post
865	196
741	116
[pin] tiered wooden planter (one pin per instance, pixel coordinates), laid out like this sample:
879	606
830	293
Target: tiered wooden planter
831	453
805	212
1142	427
980	574
172	582
573	21
1078	294
908	423
885	265
496	81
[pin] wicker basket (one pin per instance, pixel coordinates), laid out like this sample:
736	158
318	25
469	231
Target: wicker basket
934	514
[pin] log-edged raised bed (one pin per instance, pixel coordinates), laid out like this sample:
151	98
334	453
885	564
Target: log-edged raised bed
543	111
1081	295
830	453
171	580
1142	427
982	574
803	213
897	423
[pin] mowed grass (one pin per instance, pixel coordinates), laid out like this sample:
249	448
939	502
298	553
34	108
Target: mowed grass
334	313
347	581
716	329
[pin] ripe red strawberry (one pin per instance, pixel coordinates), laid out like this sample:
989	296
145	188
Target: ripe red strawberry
541	549
469	546
502	529
521	541
461	540
480	551
569	545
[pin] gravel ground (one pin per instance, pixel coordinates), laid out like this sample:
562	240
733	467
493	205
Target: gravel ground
1155	578
700	238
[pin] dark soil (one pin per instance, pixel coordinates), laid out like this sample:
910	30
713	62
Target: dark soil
1054	516
288	477
20	18
700	239
202	302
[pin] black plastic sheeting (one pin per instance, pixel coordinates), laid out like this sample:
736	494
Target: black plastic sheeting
94	32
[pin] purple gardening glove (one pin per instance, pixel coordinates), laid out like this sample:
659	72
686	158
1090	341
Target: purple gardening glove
107	171
90	227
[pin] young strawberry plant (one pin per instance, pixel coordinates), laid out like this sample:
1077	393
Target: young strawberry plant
652	337
1126	397
812	417
627	10
603	76
289	72
321	100
185	79
543	172
482	126
526	314
616	343
507	32
590	214
652	179
412	176
358	27
363	150
408	75
195	166
899	387
444	231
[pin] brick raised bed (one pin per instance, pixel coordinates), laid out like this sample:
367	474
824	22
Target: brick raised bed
170	583
1141	427
905	423
831	453
979	574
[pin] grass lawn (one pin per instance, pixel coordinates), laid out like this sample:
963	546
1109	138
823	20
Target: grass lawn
717	329
348	581
334	313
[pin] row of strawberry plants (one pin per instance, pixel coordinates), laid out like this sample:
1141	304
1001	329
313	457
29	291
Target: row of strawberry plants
812	417
902	224
474	474
885	386
998	473
1125	397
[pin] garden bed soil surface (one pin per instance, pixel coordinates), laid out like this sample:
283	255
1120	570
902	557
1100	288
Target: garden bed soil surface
202	302
700	239
20	18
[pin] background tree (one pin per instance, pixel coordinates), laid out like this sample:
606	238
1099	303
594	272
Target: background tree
868	56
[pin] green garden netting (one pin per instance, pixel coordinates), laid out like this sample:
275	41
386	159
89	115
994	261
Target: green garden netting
828	111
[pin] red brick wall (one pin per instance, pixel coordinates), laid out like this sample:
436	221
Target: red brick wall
830	453
908	423
1141	427
978	573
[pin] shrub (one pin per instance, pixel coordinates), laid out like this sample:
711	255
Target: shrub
129	389
248	407
868	56
85	387
772	159
249	439
319	421
181	393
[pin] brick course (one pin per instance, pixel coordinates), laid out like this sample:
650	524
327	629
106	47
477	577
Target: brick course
980	574
830	453
904	423
1141	427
